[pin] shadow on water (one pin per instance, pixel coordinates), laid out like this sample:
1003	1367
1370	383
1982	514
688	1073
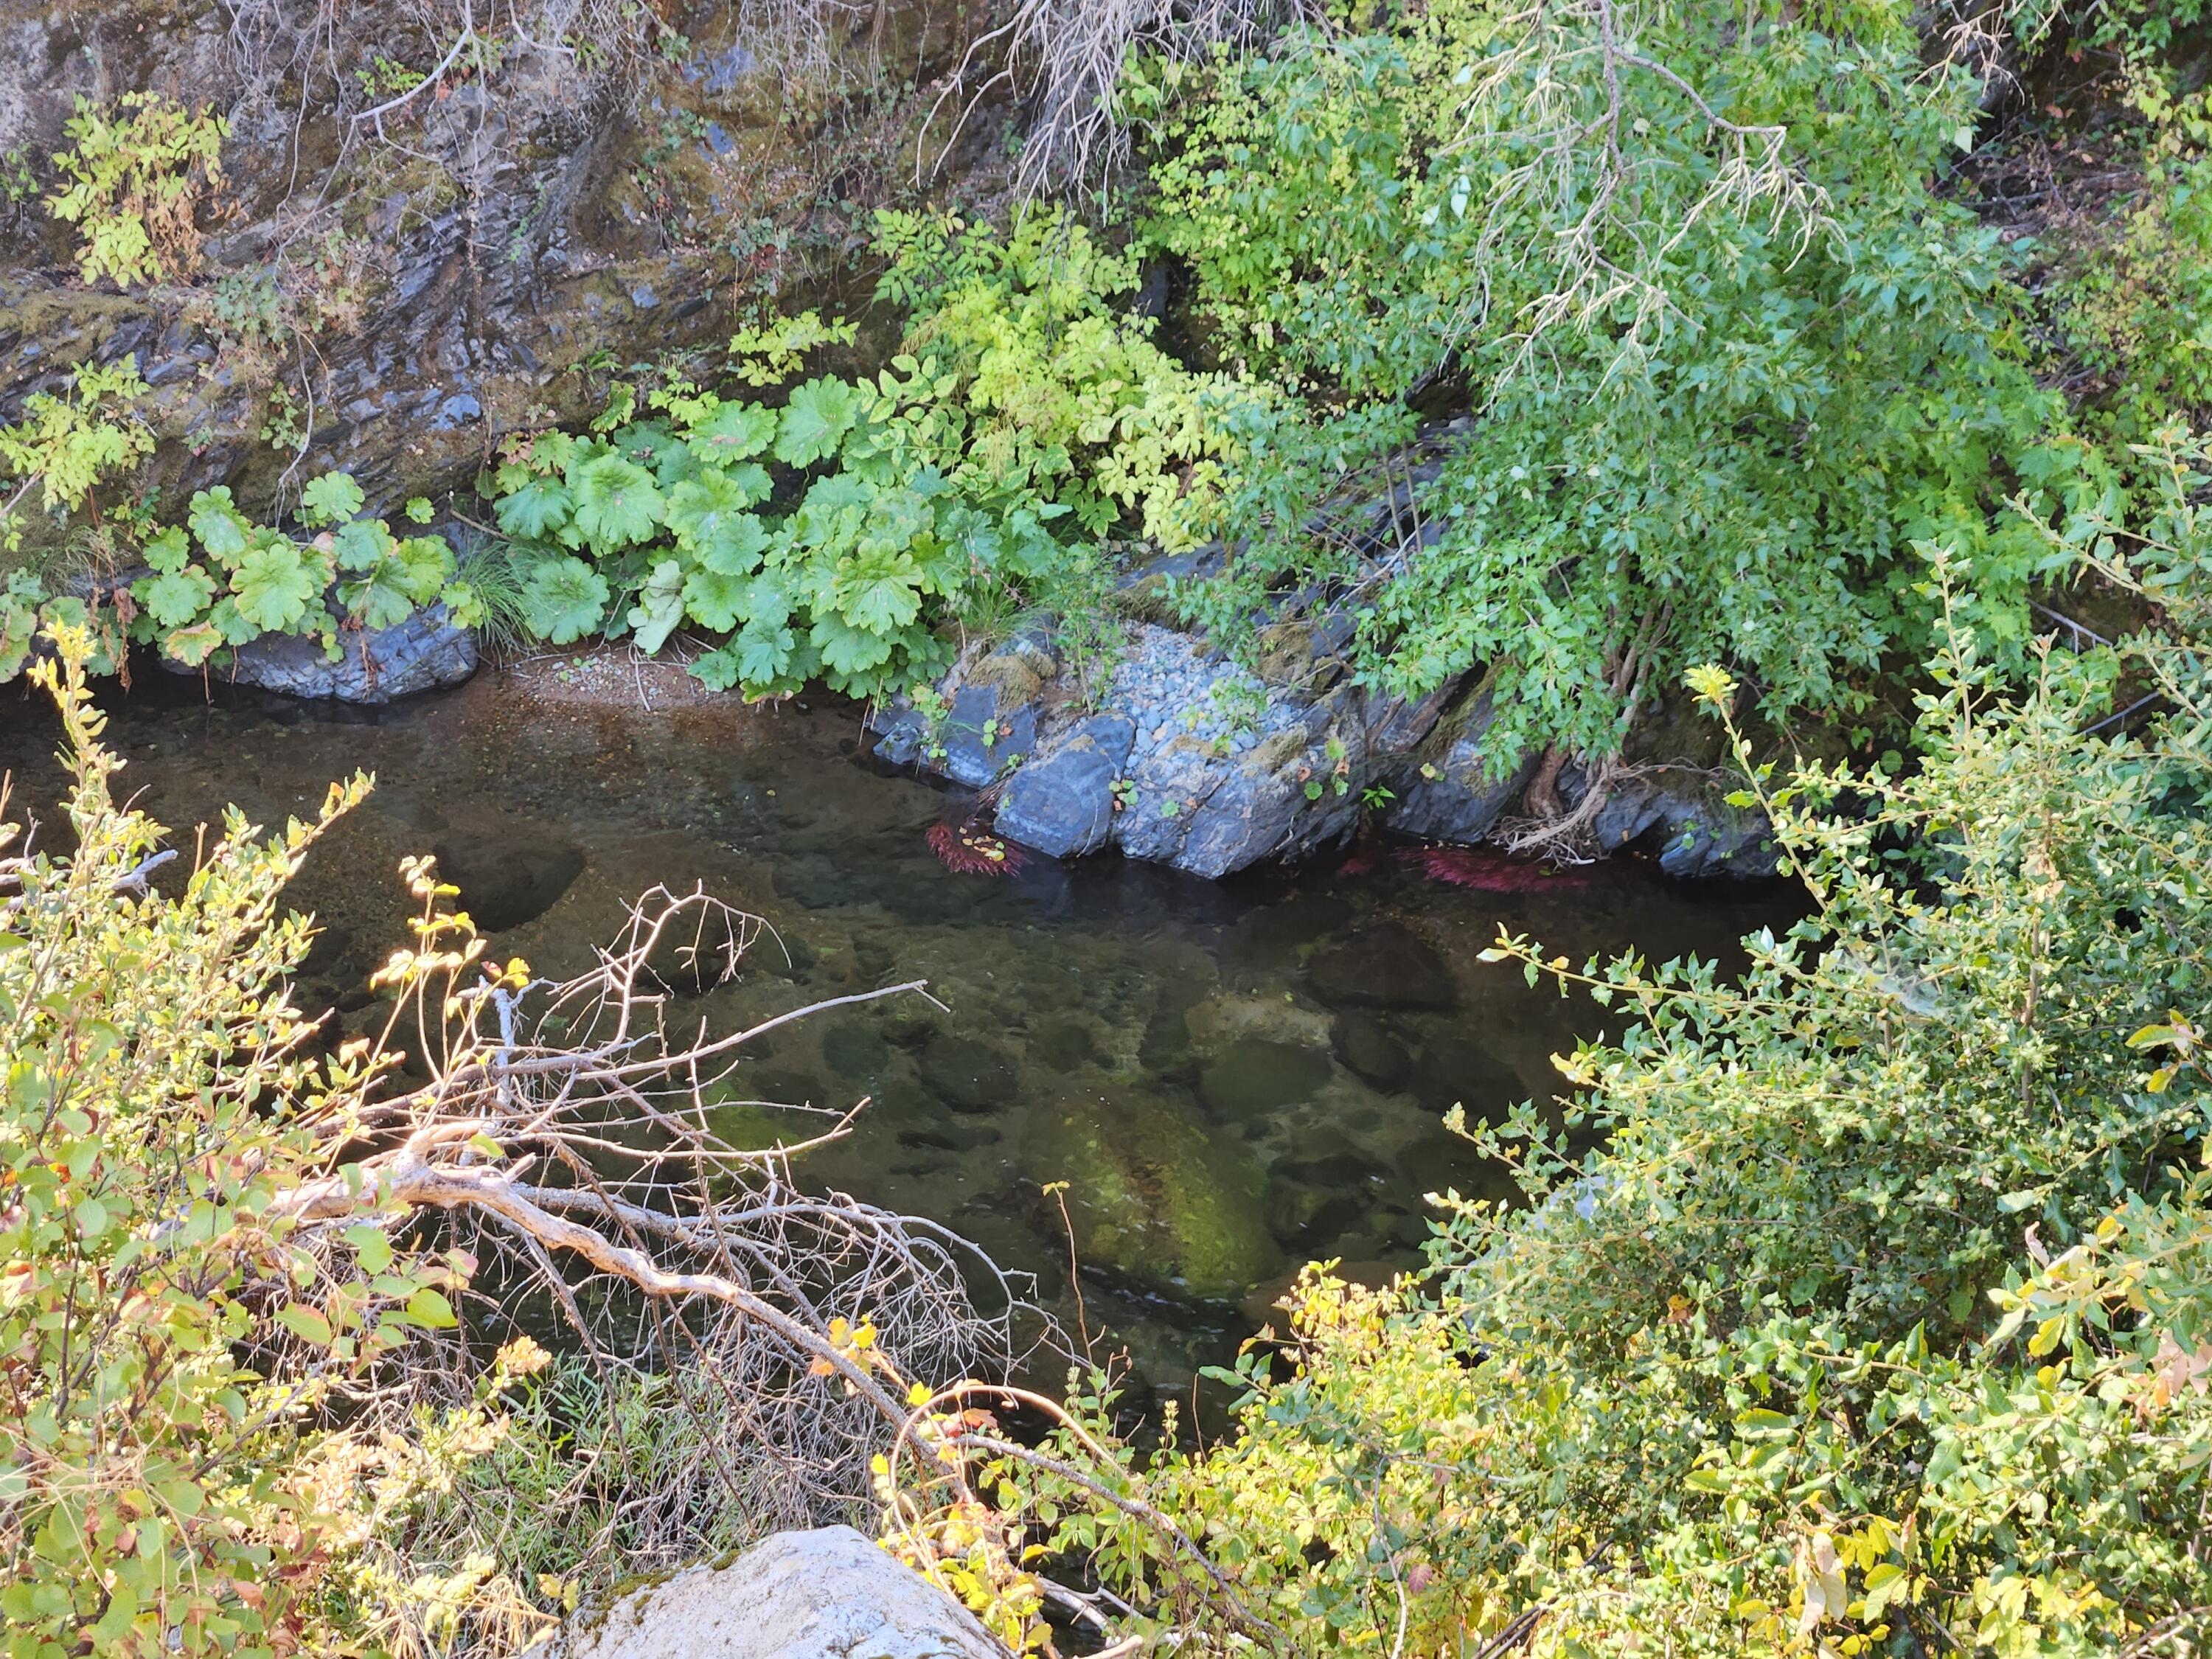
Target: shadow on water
1233	1078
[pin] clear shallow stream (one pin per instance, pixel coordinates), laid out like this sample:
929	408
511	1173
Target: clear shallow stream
1233	1077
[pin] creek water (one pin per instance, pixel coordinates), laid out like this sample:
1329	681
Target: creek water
1233	1078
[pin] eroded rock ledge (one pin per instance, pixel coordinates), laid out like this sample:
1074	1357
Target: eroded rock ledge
1183	757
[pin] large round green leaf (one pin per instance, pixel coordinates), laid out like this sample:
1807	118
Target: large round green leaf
273	586
617	502
563	600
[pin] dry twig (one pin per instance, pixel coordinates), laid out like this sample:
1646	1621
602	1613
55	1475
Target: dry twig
566	1134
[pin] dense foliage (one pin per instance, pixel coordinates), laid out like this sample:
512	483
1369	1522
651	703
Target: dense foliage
214	582
1728	351
1862	1307
1023	419
219	580
170	1480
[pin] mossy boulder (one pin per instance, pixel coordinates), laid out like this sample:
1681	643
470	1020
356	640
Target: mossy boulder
1154	1198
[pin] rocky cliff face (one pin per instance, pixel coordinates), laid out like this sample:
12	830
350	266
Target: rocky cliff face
400	267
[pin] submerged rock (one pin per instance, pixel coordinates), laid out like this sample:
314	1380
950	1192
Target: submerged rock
1369	1051
1386	966
375	666
1454	1072
1253	1076
827	1594
968	1074
510	875
1155	1199
1229	1017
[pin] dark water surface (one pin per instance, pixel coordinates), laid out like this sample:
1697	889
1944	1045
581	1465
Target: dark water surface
1233	1076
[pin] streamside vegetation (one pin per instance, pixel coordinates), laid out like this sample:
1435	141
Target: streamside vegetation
1864	1306
1831	358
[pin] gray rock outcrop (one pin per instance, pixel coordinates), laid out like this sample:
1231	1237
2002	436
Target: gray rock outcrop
1064	805
827	1594
1444	788
375	666
1185	758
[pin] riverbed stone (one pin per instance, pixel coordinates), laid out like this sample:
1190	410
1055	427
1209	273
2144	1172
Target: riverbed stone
1063	1043
1281	928
1456	1071
426	650
1445	787
969	1074
1232	1016
1303	1213
1063	805
511	875
950	1137
1385	966
1371	1052
854	1050
1154	1197
984	734
824	1594
1253	1076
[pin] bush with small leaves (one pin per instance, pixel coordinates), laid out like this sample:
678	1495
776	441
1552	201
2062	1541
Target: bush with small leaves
1726	348
171	1480
1861	1307
136	172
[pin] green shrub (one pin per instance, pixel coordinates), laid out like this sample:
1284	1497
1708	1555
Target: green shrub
1863	1307
1728	350
1051	392
2136	309
170	1482
218	581
135	173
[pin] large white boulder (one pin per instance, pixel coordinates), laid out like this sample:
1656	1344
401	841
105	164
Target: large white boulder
829	1594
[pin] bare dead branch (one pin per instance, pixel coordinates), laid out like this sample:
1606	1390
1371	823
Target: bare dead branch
568	1134
1065	58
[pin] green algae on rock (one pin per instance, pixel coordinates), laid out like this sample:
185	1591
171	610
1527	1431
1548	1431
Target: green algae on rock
1153	1197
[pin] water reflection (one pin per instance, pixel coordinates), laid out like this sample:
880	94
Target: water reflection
1230	1078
